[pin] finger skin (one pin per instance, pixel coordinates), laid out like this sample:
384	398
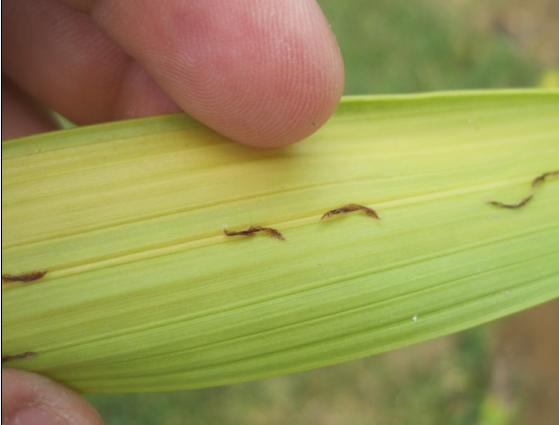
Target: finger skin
29	399
140	96
63	59
20	115
57	55
262	72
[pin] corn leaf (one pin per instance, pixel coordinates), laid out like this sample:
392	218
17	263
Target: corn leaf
144	292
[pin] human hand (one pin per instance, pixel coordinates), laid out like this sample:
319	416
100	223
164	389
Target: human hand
262	72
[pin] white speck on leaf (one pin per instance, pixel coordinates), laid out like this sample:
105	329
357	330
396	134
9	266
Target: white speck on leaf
415	318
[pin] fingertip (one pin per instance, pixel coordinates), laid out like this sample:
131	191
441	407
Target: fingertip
281	83
261	72
30	399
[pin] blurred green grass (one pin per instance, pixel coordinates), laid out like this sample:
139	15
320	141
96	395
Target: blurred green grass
389	46
398	46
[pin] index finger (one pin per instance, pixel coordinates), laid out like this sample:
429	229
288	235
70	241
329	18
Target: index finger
262	72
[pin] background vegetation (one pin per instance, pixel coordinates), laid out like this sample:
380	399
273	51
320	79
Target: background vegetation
502	373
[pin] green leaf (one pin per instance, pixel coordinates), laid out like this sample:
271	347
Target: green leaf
144	292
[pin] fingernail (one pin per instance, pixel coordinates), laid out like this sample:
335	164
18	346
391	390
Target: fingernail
36	415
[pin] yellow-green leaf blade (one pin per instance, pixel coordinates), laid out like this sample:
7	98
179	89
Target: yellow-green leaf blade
144	292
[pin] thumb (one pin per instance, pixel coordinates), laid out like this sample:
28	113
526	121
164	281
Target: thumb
30	399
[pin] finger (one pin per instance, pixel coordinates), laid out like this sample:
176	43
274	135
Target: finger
61	58
262	72
140	96
85	90
29	399
21	116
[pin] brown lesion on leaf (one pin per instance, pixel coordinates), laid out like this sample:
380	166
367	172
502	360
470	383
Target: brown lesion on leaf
25	277
350	208
19	356
519	204
250	231
538	181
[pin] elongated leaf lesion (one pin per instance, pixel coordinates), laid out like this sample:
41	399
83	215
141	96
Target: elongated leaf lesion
523	202
19	356
24	277
350	208
537	182
252	230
